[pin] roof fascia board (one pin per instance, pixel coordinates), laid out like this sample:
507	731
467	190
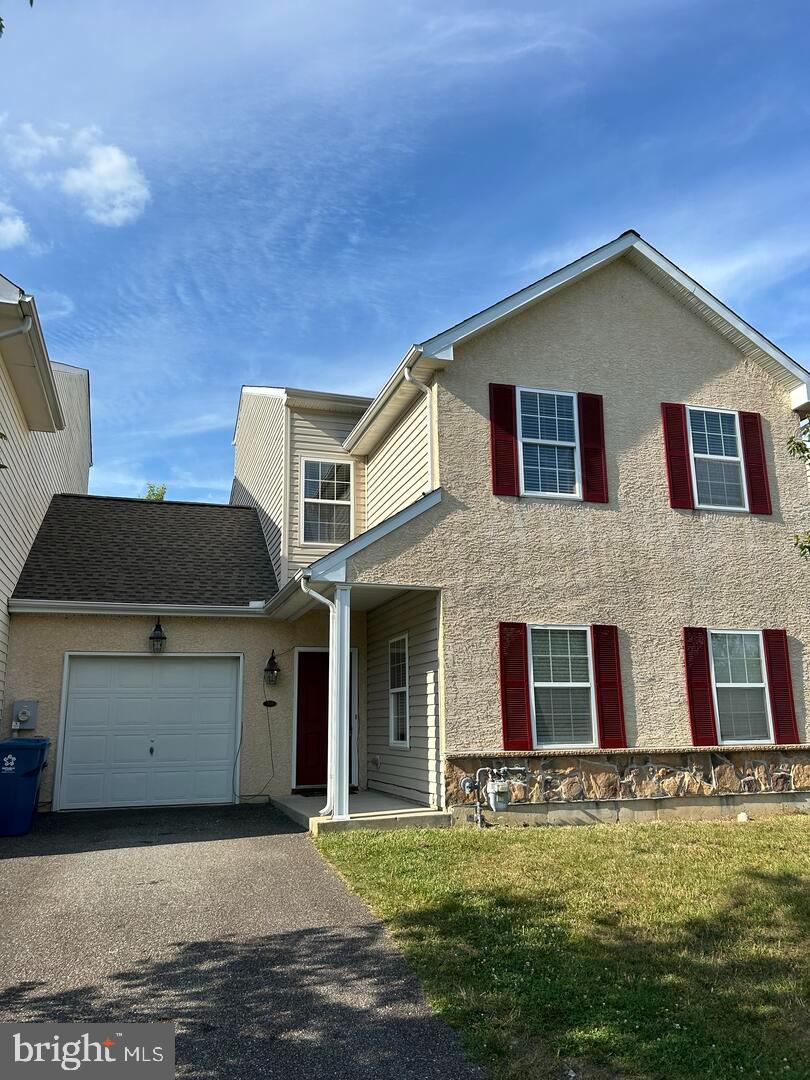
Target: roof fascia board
437	345
711	301
88	607
381	400
29	369
332	567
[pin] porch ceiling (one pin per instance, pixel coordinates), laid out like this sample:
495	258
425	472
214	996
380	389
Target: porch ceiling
364	598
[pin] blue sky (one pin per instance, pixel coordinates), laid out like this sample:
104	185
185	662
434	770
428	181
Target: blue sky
202	195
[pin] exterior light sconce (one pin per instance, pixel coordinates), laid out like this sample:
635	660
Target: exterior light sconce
157	639
271	670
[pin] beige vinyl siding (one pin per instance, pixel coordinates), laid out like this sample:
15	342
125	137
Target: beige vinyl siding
410	773
397	471
319	436
40	464
259	467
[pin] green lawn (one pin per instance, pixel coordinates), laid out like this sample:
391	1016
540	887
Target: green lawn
658	951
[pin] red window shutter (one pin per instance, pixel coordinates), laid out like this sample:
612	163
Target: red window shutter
515	709
699	686
676	445
503	435
756	469
780	686
607	674
592	448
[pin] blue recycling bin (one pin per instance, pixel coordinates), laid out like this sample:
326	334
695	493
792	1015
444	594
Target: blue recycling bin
21	765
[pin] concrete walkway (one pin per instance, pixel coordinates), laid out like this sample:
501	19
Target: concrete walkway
225	921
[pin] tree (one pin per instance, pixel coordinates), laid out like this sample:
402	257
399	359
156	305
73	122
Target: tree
799	446
3	25
155	492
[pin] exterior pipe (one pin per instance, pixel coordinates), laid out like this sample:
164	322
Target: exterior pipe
15	331
409	377
331	724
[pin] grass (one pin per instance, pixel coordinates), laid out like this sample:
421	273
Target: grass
643	951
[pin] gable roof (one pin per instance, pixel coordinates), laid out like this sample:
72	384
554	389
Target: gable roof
93	549
437	352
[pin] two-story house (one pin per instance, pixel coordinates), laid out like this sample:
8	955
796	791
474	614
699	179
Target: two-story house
559	537
45	448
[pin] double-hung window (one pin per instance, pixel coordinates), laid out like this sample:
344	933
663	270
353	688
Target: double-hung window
562	686
548	439
327	502
717	463
398	705
740	686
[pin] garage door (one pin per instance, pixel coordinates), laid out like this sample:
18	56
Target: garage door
149	731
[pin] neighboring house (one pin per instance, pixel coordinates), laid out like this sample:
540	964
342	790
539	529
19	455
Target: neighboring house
45	416
559	537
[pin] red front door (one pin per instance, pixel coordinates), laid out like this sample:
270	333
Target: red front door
311	720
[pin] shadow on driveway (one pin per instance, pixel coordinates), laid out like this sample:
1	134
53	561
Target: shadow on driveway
226	921
315	1003
96	830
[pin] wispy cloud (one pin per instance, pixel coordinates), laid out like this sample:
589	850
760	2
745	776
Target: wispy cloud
52	305
104	181
110	187
13	227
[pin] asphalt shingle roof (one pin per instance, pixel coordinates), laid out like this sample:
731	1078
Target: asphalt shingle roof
107	550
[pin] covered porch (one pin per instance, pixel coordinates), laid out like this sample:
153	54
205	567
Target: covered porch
367	810
365	714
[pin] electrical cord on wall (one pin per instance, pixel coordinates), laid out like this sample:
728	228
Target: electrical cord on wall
263	792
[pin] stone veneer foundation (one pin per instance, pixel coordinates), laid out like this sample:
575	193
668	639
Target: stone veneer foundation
574	777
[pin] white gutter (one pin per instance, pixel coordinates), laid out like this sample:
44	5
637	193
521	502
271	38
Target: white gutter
331	724
89	607
409	377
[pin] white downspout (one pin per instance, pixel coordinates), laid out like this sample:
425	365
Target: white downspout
409	377
331	723
23	328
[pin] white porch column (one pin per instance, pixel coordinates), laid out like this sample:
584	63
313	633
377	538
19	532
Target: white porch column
340	692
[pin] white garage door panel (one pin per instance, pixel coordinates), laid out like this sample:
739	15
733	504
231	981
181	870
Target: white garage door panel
149	731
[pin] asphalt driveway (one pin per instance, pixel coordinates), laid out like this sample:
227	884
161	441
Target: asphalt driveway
229	923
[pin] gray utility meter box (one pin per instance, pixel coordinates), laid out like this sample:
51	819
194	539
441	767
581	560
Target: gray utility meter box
24	715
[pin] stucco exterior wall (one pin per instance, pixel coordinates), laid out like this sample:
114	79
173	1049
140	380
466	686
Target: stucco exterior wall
633	562
36	664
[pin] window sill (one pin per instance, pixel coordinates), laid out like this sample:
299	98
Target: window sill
723	509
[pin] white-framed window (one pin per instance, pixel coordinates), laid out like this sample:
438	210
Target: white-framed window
740	685
548	443
326	502
718	473
562	699
398	695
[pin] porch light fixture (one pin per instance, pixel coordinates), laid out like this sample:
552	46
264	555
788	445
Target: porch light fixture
271	670
157	639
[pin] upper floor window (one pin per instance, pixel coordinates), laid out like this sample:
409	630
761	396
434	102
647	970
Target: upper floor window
327	502
548	443
740	686
717	462
562	685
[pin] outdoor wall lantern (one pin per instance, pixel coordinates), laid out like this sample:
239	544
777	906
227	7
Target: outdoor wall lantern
157	639
271	670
